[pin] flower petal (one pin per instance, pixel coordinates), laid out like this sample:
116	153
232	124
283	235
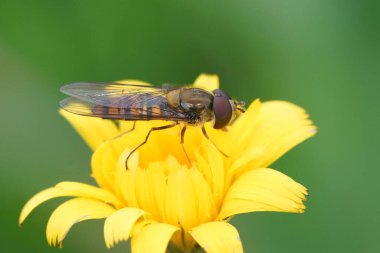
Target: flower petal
217	236
125	179
205	206
181	199
133	81
106	157
216	168
119	225
263	190
207	82
103	165
89	191
93	130
65	189
283	126
245	124
265	132
188	198
72	212
153	238
150	190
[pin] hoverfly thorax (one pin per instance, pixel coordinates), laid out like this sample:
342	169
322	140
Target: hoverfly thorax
195	103
194	99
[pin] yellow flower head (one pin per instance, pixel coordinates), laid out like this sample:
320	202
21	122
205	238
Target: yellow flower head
165	199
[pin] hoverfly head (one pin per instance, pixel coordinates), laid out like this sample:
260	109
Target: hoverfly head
222	108
225	109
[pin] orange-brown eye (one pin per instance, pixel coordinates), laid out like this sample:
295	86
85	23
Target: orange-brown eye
222	109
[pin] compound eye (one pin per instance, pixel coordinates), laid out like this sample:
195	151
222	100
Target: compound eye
222	109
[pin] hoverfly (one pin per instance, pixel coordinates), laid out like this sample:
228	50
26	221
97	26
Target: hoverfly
133	102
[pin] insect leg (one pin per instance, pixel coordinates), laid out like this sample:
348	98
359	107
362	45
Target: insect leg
124	133
183	142
146	139
208	138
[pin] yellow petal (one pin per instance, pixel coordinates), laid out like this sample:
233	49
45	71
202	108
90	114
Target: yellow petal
283	126
183	199
263	190
216	237
89	191
245	124
215	162
103	164
93	130
204	167
125	179
189	202
206	209
133	81
207	82
119	225
150	190
107	156
72	212
65	189
250	155
265	132
153	238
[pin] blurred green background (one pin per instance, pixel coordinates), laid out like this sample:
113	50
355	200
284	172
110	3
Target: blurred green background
323	55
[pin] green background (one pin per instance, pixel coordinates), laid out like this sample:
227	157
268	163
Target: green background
323	55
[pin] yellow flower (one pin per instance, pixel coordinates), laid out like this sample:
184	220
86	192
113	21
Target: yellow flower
163	199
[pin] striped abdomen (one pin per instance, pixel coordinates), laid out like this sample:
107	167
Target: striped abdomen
139	107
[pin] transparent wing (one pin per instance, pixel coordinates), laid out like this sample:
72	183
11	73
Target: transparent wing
115	94
158	110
